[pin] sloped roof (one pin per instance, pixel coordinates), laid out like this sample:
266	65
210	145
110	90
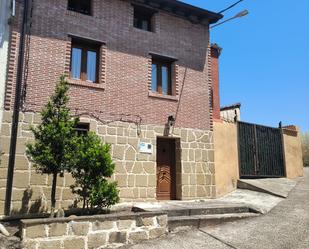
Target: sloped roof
230	107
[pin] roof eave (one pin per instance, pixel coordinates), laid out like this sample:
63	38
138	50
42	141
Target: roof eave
184	10
230	107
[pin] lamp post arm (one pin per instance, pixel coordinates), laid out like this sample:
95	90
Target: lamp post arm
227	20
240	14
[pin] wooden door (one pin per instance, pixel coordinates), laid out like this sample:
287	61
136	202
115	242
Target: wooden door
166	174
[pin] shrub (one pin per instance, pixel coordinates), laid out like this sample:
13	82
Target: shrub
104	194
93	164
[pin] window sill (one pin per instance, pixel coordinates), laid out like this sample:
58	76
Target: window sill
161	96
77	14
86	84
142	30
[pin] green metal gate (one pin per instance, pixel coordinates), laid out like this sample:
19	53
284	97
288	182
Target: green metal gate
260	151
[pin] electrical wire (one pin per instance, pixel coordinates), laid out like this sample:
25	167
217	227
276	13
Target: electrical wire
102	117
233	5
180	97
27	56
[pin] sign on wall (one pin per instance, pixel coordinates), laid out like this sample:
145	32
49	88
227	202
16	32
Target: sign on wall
145	148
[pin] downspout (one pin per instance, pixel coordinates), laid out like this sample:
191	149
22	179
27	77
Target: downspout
13	8
15	118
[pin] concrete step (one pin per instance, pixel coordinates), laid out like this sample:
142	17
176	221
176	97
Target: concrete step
198	221
208	211
197	209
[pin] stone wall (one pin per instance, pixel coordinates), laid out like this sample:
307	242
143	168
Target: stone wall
93	231
226	157
135	172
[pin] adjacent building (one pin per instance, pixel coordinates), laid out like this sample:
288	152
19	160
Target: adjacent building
139	75
5	13
230	112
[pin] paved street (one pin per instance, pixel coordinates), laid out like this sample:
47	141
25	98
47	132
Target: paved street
285	227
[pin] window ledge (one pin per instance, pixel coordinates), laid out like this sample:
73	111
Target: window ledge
77	14
142	30
161	96
85	84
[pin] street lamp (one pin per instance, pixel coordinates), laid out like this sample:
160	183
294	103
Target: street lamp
240	14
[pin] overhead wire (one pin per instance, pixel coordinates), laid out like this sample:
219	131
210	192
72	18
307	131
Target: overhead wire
231	6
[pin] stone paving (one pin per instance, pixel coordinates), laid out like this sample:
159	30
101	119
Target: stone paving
260	202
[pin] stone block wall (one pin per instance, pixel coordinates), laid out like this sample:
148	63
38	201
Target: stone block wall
92	232
135	172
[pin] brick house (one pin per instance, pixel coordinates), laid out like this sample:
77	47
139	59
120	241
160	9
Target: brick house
139	75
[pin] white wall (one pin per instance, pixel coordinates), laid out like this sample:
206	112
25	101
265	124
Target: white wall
229	115
4	37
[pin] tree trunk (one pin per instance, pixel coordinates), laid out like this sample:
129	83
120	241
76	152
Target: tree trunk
53	194
84	203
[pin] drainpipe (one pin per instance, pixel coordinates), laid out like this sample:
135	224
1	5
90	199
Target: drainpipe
13	8
15	118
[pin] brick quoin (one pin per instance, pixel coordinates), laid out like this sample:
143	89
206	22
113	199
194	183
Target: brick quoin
124	64
215	54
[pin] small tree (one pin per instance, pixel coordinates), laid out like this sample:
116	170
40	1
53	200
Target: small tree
305	145
51	152
93	164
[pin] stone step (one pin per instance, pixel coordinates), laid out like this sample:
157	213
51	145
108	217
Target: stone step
206	220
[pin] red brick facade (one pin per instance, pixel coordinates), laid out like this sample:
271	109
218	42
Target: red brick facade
125	69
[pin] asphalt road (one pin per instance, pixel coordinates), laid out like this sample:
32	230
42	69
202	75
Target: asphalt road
284	227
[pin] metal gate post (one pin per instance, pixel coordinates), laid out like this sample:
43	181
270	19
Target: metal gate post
238	149
256	153
283	149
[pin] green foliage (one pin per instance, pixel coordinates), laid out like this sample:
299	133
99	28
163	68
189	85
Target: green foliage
51	152
305	145
104	194
93	164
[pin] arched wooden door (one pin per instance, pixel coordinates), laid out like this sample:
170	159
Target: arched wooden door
166	175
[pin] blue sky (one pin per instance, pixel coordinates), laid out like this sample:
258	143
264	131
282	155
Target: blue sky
265	59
